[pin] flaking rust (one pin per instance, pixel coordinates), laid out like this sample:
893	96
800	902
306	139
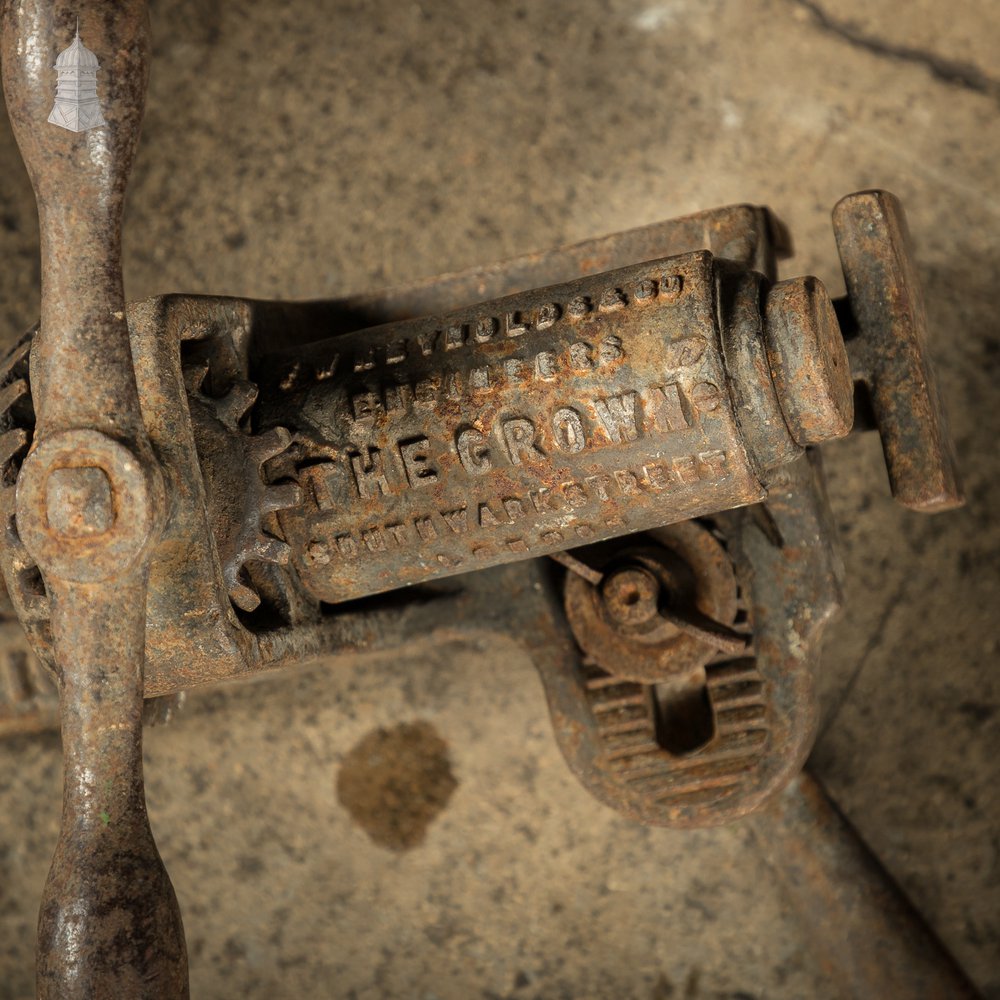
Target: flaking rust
194	488
88	508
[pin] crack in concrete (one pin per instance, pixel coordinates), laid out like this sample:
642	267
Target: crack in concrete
874	641
950	71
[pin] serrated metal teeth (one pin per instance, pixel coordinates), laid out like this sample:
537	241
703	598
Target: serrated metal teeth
240	594
271	550
195	374
269	444
258	545
281	497
236	403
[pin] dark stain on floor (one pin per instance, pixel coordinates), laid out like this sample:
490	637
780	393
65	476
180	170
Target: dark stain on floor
395	782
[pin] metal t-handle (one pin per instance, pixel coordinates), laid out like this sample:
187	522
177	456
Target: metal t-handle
90	497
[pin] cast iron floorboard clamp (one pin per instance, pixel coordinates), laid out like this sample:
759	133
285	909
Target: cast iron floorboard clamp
222	487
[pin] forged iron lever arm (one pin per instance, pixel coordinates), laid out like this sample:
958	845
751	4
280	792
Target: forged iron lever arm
89	506
882	946
885	327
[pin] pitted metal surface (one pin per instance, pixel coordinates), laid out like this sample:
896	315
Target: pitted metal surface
661	610
196	489
88	507
526	426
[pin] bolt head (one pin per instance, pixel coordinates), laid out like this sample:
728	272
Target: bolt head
87	506
78	502
630	595
809	365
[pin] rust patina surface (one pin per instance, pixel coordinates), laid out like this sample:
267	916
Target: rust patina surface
197	489
90	504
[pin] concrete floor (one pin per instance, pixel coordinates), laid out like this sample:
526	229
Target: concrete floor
304	149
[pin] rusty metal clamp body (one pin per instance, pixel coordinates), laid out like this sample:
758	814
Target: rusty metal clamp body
197	489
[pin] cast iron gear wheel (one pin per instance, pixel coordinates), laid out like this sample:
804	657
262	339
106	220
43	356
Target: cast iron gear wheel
238	494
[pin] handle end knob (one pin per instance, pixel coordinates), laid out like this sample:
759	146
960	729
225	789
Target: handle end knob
887	350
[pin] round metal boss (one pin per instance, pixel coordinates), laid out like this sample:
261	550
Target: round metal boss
617	623
84	506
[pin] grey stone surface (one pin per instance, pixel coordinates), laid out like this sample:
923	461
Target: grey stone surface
304	149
